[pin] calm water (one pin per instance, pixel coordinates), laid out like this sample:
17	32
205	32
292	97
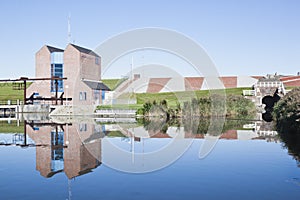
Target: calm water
73	161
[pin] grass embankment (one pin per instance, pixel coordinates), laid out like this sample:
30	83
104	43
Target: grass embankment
233	106
12	127
172	98
7	92
113	83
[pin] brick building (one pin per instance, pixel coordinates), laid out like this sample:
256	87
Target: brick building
81	67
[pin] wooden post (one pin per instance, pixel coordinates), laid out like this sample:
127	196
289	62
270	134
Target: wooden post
56	90
25	134
24	81
62	99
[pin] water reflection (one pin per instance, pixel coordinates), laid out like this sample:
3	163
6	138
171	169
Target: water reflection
63	149
291	141
59	148
74	147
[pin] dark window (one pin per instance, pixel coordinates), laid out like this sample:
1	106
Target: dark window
97	61
57	70
82	127
82	96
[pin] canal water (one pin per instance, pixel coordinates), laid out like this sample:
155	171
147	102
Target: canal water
90	159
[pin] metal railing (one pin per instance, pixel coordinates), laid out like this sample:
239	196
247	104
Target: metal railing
248	92
269	84
115	111
10	102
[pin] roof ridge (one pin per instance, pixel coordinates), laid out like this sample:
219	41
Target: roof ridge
54	49
96	85
84	50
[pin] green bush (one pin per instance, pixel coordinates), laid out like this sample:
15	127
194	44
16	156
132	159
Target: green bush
287	112
236	107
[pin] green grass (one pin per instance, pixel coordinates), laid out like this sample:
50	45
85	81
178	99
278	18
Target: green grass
236	91
171	98
291	87
8	93
115	134
121	106
113	83
174	97
11	128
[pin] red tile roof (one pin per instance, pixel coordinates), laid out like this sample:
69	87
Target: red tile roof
230	134
157	84
229	81
192	135
257	77
288	78
193	83
291	81
158	134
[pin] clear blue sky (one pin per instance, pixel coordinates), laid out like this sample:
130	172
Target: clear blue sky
253	37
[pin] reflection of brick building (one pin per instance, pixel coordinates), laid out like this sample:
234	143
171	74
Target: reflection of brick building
230	134
81	67
80	156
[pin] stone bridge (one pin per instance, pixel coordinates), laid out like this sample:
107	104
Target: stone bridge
266	92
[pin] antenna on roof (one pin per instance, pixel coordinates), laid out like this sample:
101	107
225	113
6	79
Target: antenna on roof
69	28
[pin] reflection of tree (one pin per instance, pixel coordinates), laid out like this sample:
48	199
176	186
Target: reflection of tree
201	125
292	143
196	125
191	125
158	124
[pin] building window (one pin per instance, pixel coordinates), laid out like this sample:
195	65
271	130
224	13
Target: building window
57	71
57	153
57	137
96	94
103	94
97	61
82	127
82	96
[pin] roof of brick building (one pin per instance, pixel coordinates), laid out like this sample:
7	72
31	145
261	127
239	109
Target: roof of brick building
85	50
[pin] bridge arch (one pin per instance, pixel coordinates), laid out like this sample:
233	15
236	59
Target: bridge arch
269	101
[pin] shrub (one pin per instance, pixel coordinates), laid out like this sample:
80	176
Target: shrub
287	112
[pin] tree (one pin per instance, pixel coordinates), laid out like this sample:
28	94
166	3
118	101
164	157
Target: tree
287	112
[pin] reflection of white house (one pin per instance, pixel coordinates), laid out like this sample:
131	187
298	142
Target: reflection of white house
246	134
